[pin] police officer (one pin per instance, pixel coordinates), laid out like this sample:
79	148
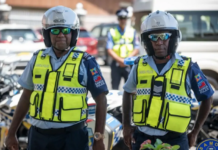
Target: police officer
55	85
162	81
122	42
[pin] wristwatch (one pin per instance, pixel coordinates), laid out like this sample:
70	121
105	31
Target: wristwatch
98	136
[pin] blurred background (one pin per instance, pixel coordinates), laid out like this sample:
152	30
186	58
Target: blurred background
21	36
20	29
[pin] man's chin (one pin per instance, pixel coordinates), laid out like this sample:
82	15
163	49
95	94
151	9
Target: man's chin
61	48
160	55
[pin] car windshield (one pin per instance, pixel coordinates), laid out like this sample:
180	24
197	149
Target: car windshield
84	34
18	34
197	25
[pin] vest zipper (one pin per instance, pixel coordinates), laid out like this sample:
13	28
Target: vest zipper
151	95
163	98
60	106
55	91
44	88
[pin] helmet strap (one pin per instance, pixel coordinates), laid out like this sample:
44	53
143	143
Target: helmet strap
60	49
165	57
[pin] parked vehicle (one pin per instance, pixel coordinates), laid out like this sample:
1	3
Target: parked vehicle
100	33
198	24
87	43
210	126
19	38
114	103
16	64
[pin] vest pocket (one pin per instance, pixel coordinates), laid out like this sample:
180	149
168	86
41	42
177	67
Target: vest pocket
177	117
154	112
34	98
47	106
70	109
139	108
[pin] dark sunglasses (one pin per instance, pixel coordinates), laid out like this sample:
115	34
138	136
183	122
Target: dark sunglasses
122	18
56	31
162	36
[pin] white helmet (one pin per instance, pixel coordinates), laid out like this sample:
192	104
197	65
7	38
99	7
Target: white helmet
160	21
60	16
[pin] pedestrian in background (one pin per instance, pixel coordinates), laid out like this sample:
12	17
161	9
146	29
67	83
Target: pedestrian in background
122	42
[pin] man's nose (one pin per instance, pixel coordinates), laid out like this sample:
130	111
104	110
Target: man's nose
159	41
60	34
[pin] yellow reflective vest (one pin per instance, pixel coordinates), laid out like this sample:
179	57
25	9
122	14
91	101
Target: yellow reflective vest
169	110
123	44
58	96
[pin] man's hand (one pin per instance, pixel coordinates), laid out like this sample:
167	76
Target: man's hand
12	142
128	136
98	145
121	62
192	136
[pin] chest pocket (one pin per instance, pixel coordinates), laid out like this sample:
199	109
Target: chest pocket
69	70
176	78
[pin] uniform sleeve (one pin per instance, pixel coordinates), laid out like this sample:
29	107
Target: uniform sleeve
136	41
25	79
110	42
199	83
130	85
95	81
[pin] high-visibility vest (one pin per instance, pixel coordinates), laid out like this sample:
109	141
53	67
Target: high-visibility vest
171	110
123	44
58	96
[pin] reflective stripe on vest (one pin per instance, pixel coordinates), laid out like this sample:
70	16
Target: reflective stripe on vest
166	106
58	96
123	44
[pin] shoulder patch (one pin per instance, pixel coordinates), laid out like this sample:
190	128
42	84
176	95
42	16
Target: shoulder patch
87	56
137	60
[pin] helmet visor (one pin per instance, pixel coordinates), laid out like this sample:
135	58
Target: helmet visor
162	36
56	31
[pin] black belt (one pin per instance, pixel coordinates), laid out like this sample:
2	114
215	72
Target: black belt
60	130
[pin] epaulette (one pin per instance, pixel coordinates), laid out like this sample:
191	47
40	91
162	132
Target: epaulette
87	56
36	53
184	58
137	60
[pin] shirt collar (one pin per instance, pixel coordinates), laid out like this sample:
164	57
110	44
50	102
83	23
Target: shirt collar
175	56
120	30
49	51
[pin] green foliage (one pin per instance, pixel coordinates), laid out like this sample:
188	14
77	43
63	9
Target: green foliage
159	145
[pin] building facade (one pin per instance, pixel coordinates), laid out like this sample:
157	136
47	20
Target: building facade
97	11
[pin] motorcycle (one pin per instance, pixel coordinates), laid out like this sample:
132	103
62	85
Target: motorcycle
8	85
113	127
114	103
210	126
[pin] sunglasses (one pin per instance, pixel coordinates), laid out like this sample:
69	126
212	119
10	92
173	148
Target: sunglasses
56	31
162	36
122	18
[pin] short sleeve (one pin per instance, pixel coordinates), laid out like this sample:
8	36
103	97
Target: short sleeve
95	81
199	83
110	42
130	85
25	79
